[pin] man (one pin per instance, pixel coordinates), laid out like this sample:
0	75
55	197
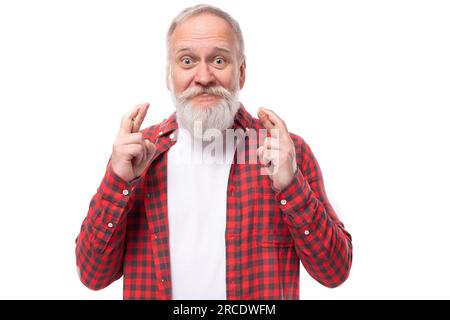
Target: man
179	224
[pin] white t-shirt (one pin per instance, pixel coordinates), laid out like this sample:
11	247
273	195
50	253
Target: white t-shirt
197	204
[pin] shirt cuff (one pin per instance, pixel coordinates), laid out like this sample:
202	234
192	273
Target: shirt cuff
294	200
116	190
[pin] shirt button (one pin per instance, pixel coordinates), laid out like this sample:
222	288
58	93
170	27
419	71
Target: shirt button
110	225
155	237
160	133
172	136
306	232
125	192
283	202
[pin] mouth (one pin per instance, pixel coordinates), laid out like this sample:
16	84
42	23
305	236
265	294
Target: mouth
205	97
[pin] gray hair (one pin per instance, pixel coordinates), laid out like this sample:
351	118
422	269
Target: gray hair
205	8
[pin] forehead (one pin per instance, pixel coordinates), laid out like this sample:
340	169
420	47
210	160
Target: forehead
203	31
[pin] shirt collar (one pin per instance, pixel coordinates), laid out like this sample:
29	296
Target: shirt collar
243	119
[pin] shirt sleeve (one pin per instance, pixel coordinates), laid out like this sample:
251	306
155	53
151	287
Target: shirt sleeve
100	243
321	241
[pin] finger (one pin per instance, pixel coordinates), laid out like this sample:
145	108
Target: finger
277	122
273	156
130	138
126	125
135	150
133	143
143	157
268	156
273	117
272	143
142	163
260	153
151	149
268	123
265	120
265	160
140	117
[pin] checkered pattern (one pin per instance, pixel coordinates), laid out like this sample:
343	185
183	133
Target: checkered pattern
268	233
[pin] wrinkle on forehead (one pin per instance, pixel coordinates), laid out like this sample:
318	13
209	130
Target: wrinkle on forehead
204	30
189	46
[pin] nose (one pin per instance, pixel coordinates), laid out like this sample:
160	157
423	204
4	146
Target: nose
203	76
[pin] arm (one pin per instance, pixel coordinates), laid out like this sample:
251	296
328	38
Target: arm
100	243
321	241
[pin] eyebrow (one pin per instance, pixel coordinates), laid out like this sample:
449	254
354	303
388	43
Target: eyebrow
190	49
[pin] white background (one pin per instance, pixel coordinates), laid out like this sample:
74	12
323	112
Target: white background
365	83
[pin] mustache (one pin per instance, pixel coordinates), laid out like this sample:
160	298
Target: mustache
197	90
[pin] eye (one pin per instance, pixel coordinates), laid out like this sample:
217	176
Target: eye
186	61
219	61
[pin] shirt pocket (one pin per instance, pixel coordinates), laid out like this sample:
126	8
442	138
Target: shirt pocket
279	241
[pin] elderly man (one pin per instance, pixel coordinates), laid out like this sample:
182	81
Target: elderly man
177	223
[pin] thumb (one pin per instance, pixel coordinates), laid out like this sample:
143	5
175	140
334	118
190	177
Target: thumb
264	119
151	149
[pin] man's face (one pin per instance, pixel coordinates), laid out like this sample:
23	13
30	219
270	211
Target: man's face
204	53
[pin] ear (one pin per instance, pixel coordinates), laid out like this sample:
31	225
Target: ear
242	70
168	76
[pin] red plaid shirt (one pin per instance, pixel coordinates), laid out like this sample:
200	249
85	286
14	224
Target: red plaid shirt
126	230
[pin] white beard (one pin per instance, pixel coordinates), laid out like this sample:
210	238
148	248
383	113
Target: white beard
218	117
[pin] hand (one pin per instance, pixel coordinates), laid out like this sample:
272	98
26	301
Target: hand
131	152
278	150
